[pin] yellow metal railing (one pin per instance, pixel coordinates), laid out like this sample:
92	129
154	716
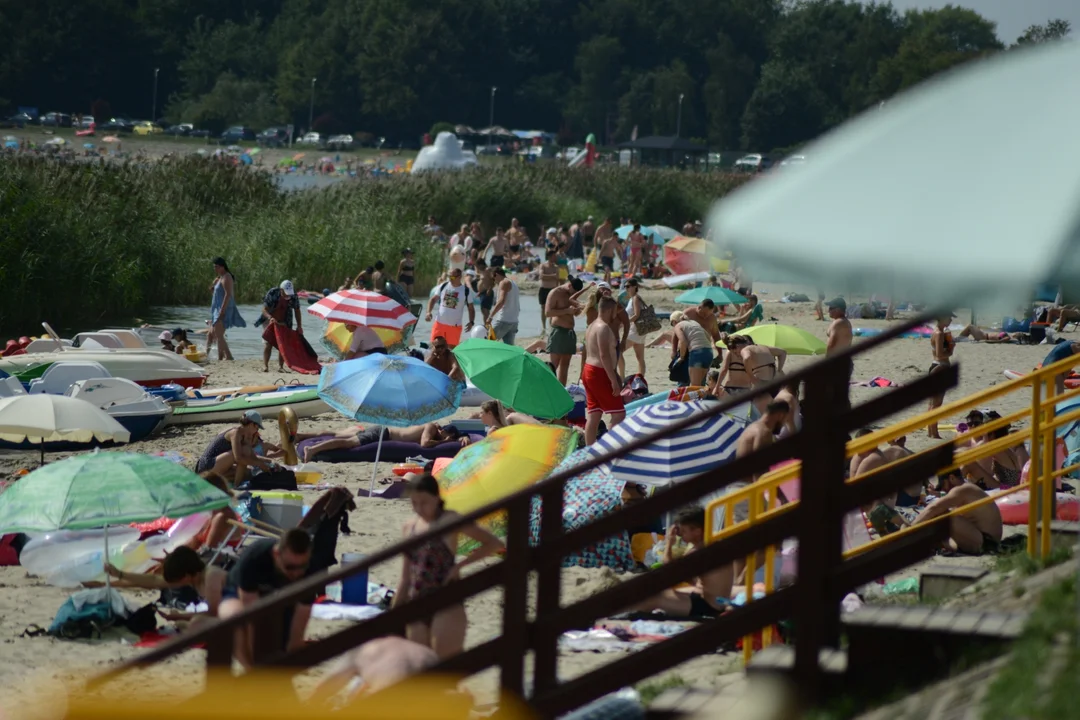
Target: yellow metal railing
1043	422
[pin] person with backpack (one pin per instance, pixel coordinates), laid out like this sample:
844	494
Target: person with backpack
453	299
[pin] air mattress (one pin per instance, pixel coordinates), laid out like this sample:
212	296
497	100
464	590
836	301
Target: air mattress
1071	381
392	451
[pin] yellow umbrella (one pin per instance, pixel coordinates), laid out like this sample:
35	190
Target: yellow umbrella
507	460
338	337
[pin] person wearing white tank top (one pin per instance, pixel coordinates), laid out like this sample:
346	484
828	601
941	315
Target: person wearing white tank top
634	341
507	309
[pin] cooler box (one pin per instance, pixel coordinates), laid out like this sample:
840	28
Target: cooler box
284	509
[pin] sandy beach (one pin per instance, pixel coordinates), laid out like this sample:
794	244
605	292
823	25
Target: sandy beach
27	665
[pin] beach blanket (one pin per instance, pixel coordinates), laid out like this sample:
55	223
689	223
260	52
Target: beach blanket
392	451
295	350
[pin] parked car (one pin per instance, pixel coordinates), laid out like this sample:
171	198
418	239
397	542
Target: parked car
18	120
340	142
753	162
145	127
311	138
793	160
199	133
85	122
273	137
55	119
180	130
237	134
118	124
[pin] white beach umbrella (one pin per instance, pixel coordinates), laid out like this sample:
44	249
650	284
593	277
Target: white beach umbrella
962	191
39	419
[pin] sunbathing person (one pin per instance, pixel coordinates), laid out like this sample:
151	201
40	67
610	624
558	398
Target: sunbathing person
181	567
427	436
217	528
712	590
977	334
494	416
974	532
1001	470
379	663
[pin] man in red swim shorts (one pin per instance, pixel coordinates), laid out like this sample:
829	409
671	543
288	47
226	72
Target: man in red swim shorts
599	374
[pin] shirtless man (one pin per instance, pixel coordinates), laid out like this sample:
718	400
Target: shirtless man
637	247
603	233
600	374
790	395
549	279
608	249
561	307
839	332
974	532
497	245
712	589
428	436
897	450
515	235
379	663
443	360
620	325
704	315
588	230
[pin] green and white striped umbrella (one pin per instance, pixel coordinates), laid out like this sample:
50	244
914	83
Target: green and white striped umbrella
104	488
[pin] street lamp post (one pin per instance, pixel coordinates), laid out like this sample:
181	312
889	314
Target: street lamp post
491	115
678	121
153	108
311	110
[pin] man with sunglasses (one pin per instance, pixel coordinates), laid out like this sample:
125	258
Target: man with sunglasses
443	360
263	568
454	300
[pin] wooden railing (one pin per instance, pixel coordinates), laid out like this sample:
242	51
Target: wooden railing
824	576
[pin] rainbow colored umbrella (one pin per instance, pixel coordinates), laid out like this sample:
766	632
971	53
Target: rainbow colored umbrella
685	255
507	460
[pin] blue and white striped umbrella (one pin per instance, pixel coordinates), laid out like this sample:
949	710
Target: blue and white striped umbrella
690	452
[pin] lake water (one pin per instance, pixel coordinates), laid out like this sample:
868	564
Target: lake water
247	342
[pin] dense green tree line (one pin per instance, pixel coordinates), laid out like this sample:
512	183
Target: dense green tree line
752	74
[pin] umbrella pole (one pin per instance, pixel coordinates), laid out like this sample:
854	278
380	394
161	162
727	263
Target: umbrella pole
375	470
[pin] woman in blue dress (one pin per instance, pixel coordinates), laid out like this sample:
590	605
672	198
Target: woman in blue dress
223	312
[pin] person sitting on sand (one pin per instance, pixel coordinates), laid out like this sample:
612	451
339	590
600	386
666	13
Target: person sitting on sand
977	334
182	567
378	663
365	341
263	568
433	565
974	532
752	314
910	495
427	436
1000	470
443	360
711	591
234	452
216	529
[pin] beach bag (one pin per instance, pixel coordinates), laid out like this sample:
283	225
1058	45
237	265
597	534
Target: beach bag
634	388
679	371
283	479
89	621
647	321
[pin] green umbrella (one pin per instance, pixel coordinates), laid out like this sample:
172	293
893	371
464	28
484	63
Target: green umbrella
719	295
104	488
517	378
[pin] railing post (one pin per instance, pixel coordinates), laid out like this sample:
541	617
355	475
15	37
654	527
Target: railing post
1034	470
219	655
1049	460
515	597
817	618
269	634
548	593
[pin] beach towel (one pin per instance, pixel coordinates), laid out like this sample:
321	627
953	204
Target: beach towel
295	350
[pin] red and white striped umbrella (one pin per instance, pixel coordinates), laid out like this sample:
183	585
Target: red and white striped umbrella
362	307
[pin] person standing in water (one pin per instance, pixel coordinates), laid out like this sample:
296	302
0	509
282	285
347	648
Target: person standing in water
942	345
433	565
223	312
407	270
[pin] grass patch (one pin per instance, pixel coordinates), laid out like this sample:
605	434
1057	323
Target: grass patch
1023	688
87	242
653	689
1024	565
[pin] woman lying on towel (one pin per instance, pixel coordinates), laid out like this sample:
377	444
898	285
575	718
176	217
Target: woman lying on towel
427	436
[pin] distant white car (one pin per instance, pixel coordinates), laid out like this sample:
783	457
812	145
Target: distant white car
311	138
340	142
793	160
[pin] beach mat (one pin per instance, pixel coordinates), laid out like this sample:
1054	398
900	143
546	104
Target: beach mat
393	491
296	351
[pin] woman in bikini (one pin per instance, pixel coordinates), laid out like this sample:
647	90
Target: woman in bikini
942	344
1001	470
734	378
407	270
435	564
234	451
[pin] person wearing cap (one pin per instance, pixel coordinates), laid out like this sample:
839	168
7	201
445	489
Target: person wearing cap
453	299
942	345
839	334
280	307
232	453
406	271
166	338
507	309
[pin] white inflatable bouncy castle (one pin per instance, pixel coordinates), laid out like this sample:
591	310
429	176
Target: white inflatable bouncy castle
444	154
